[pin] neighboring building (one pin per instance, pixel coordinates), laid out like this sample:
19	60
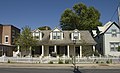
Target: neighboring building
108	39
63	42
7	35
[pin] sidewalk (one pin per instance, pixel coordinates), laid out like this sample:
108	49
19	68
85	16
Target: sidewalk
82	66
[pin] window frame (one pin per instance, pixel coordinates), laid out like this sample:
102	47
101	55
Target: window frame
7	38
114	32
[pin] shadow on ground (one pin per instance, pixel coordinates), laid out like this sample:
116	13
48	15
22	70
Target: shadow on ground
76	70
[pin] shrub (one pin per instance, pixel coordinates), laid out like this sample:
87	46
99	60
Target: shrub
60	62
51	62
97	62
102	62
67	61
8	61
107	61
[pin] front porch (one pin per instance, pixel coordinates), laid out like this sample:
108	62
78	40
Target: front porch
60	50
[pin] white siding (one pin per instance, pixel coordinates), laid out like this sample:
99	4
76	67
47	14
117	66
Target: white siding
109	38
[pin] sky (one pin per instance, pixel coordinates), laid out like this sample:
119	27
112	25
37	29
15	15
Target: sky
37	13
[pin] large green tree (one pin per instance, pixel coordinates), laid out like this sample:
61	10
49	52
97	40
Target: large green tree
80	17
26	40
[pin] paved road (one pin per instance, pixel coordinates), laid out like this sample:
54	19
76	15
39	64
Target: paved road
39	70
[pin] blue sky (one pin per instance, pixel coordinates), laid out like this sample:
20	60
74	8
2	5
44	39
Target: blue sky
37	13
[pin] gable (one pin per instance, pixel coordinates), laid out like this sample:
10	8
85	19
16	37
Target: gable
112	26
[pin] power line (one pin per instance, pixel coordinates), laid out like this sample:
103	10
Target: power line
115	11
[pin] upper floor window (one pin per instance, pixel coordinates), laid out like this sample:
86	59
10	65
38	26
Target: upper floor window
6	39
75	35
56	35
37	35
114	33
114	46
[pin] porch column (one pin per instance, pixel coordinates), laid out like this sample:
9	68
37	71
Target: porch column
68	48
42	50
80	51
55	50
93	50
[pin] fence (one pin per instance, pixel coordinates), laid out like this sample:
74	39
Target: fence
63	59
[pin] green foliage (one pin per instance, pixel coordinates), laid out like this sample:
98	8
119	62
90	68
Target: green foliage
51	62
25	39
81	18
60	62
8	61
67	61
118	48
44	28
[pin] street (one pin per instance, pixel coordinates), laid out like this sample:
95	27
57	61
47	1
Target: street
51	70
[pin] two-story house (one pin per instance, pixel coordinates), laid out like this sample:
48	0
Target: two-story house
108	39
61	42
7	35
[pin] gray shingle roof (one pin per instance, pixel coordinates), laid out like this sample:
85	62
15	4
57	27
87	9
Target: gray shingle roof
86	39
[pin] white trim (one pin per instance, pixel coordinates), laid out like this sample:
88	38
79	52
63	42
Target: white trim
68	50
5	39
55	49
42	50
80	51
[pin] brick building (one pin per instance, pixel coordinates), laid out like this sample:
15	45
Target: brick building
7	35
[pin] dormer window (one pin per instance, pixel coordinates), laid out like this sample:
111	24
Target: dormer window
75	35
37	35
56	34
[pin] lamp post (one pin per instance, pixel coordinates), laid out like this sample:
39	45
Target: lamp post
74	63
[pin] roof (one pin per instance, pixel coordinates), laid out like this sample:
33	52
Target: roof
104	28
86	38
10	25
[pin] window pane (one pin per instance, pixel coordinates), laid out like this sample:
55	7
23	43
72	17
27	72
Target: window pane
54	34
58	34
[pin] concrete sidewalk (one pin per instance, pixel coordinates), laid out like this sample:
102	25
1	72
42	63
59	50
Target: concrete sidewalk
82	66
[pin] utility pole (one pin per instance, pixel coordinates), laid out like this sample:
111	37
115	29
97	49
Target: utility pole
119	16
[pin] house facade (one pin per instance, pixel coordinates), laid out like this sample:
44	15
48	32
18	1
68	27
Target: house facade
7	35
108	39
59	42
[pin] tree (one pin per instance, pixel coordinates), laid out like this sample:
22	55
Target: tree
44	28
26	40
81	18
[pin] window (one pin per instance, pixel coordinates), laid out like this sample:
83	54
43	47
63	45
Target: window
114	46
114	33
6	39
36	35
75	35
56	35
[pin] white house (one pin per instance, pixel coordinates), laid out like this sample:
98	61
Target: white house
108	39
63	42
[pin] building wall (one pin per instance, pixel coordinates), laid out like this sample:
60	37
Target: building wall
0	33
109	38
6	32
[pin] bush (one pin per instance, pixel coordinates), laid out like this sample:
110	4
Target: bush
8	61
60	62
97	62
102	62
67	61
51	62
107	61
